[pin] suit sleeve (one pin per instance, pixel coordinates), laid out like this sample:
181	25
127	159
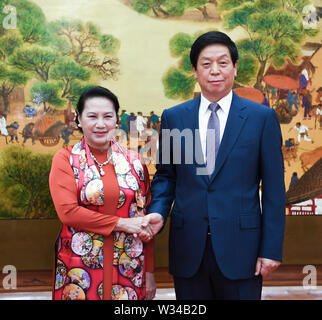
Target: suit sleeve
273	189
164	181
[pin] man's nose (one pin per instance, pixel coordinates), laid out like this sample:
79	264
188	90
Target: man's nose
214	68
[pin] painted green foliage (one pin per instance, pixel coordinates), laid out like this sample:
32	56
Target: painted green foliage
62	56
171	7
24	184
275	31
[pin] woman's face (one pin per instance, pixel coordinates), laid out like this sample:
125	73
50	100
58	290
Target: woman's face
98	122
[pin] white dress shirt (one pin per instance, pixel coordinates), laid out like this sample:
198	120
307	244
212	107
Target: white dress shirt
204	115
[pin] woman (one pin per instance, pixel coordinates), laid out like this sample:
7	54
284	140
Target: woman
101	191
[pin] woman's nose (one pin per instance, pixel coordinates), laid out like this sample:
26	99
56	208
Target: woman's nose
100	122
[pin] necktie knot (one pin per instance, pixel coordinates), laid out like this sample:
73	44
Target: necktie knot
214	107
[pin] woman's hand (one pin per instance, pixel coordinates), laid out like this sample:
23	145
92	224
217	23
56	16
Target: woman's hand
132	225
150	286
144	227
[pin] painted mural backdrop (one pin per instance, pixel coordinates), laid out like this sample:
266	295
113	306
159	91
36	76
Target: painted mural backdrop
52	50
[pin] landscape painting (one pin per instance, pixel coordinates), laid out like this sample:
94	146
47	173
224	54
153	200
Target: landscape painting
50	51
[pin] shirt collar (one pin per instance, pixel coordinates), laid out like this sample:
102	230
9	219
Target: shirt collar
224	103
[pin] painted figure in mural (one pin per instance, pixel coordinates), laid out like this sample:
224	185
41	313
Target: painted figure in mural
66	132
289	143
12	131
153	121
302	132
292	99
140	123
304	79
3	124
106	233
306	104
318	110
125	122
221	241
294	180
132	124
27	133
265	101
29	111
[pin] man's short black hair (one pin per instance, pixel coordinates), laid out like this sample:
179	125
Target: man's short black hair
212	37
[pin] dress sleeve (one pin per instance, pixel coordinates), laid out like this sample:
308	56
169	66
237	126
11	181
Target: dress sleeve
150	244
64	194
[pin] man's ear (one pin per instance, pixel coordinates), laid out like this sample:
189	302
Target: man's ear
236	65
194	72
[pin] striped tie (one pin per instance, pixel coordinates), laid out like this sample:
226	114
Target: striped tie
213	138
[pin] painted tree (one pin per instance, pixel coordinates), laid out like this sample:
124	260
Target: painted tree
31	22
179	81
31	28
171	8
44	49
10	77
274	27
36	60
84	43
68	73
47	93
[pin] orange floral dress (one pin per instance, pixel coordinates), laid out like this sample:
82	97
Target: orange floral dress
92	261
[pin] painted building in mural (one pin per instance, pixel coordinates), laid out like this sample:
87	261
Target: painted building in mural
51	50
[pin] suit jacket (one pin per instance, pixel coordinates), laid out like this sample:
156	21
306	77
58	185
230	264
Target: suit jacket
243	225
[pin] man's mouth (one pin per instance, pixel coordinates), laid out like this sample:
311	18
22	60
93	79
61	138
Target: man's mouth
216	81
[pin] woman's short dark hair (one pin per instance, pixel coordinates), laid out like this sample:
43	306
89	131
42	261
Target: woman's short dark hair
94	92
209	38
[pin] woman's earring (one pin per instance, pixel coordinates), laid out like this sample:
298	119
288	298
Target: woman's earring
79	125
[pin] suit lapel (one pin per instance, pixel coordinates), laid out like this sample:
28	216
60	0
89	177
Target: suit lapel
235	121
191	120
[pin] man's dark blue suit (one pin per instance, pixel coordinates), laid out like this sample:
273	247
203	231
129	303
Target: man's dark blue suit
244	223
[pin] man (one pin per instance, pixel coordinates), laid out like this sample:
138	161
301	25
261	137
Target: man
221	241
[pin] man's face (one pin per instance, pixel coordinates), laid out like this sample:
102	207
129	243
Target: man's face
215	71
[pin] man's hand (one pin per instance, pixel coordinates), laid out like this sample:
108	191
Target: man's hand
153	222
266	266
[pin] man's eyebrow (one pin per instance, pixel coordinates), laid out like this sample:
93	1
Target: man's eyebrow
225	55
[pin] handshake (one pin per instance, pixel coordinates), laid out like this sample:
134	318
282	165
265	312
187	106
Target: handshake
143	227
